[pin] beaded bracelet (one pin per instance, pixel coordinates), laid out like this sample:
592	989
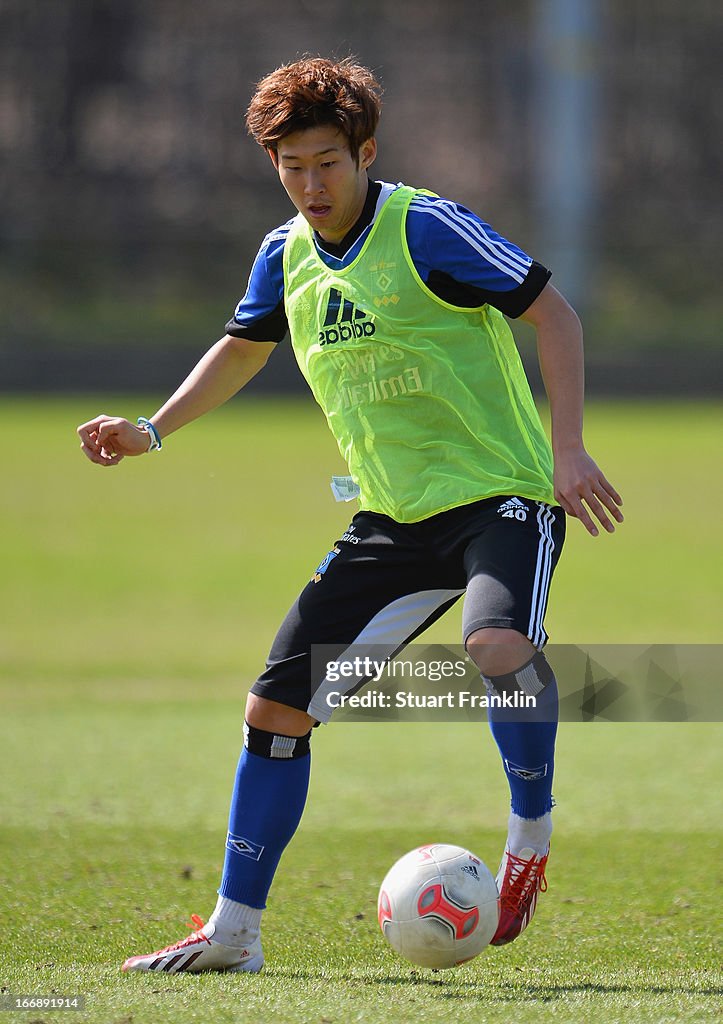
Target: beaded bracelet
156	443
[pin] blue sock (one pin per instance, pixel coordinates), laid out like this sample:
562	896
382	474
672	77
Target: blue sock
266	807
526	737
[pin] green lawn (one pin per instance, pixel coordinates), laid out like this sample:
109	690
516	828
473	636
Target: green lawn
138	604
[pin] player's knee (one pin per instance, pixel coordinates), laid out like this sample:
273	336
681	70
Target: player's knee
532	678
272	717
498	652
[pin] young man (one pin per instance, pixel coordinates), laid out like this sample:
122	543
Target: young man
394	299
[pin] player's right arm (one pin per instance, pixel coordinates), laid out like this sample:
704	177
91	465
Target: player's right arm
259	322
220	374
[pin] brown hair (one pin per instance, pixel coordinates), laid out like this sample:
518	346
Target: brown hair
315	91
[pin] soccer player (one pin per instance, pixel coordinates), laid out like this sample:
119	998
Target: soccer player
395	301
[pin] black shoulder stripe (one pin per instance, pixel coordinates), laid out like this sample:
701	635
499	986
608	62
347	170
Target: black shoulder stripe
512	303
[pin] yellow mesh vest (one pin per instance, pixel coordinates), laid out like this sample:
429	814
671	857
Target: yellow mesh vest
428	403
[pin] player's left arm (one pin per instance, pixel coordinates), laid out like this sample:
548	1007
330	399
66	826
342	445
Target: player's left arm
581	488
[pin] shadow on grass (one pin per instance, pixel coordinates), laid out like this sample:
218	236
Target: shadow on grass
548	993
501	992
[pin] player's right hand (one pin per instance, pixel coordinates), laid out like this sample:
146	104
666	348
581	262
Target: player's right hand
106	440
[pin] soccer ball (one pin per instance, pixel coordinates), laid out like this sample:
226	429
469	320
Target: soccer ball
438	906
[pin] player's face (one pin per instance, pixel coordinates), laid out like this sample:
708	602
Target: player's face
322	179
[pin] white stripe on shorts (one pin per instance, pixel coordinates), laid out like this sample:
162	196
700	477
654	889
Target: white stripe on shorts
543	573
382	636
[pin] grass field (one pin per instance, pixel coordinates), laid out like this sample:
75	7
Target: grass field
138	604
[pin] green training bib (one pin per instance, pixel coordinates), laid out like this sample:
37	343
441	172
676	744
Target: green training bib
428	402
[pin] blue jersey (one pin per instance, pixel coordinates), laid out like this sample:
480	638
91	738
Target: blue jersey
458	256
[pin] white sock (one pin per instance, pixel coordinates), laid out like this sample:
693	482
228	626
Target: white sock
236	924
529	834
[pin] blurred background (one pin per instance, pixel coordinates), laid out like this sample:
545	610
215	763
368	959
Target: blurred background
132	202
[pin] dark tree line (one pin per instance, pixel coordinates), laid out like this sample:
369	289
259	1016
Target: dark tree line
122	143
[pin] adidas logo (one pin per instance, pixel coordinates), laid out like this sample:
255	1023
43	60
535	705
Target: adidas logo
513	508
344	321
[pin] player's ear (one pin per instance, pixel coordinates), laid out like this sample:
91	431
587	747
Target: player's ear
367	153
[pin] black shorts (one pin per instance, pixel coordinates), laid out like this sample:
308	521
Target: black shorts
383	583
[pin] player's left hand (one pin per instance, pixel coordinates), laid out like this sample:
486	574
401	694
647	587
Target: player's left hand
581	488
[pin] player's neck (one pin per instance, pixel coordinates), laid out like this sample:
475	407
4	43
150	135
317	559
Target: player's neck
339	249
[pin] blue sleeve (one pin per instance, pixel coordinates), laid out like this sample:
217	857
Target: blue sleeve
260	316
448	242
